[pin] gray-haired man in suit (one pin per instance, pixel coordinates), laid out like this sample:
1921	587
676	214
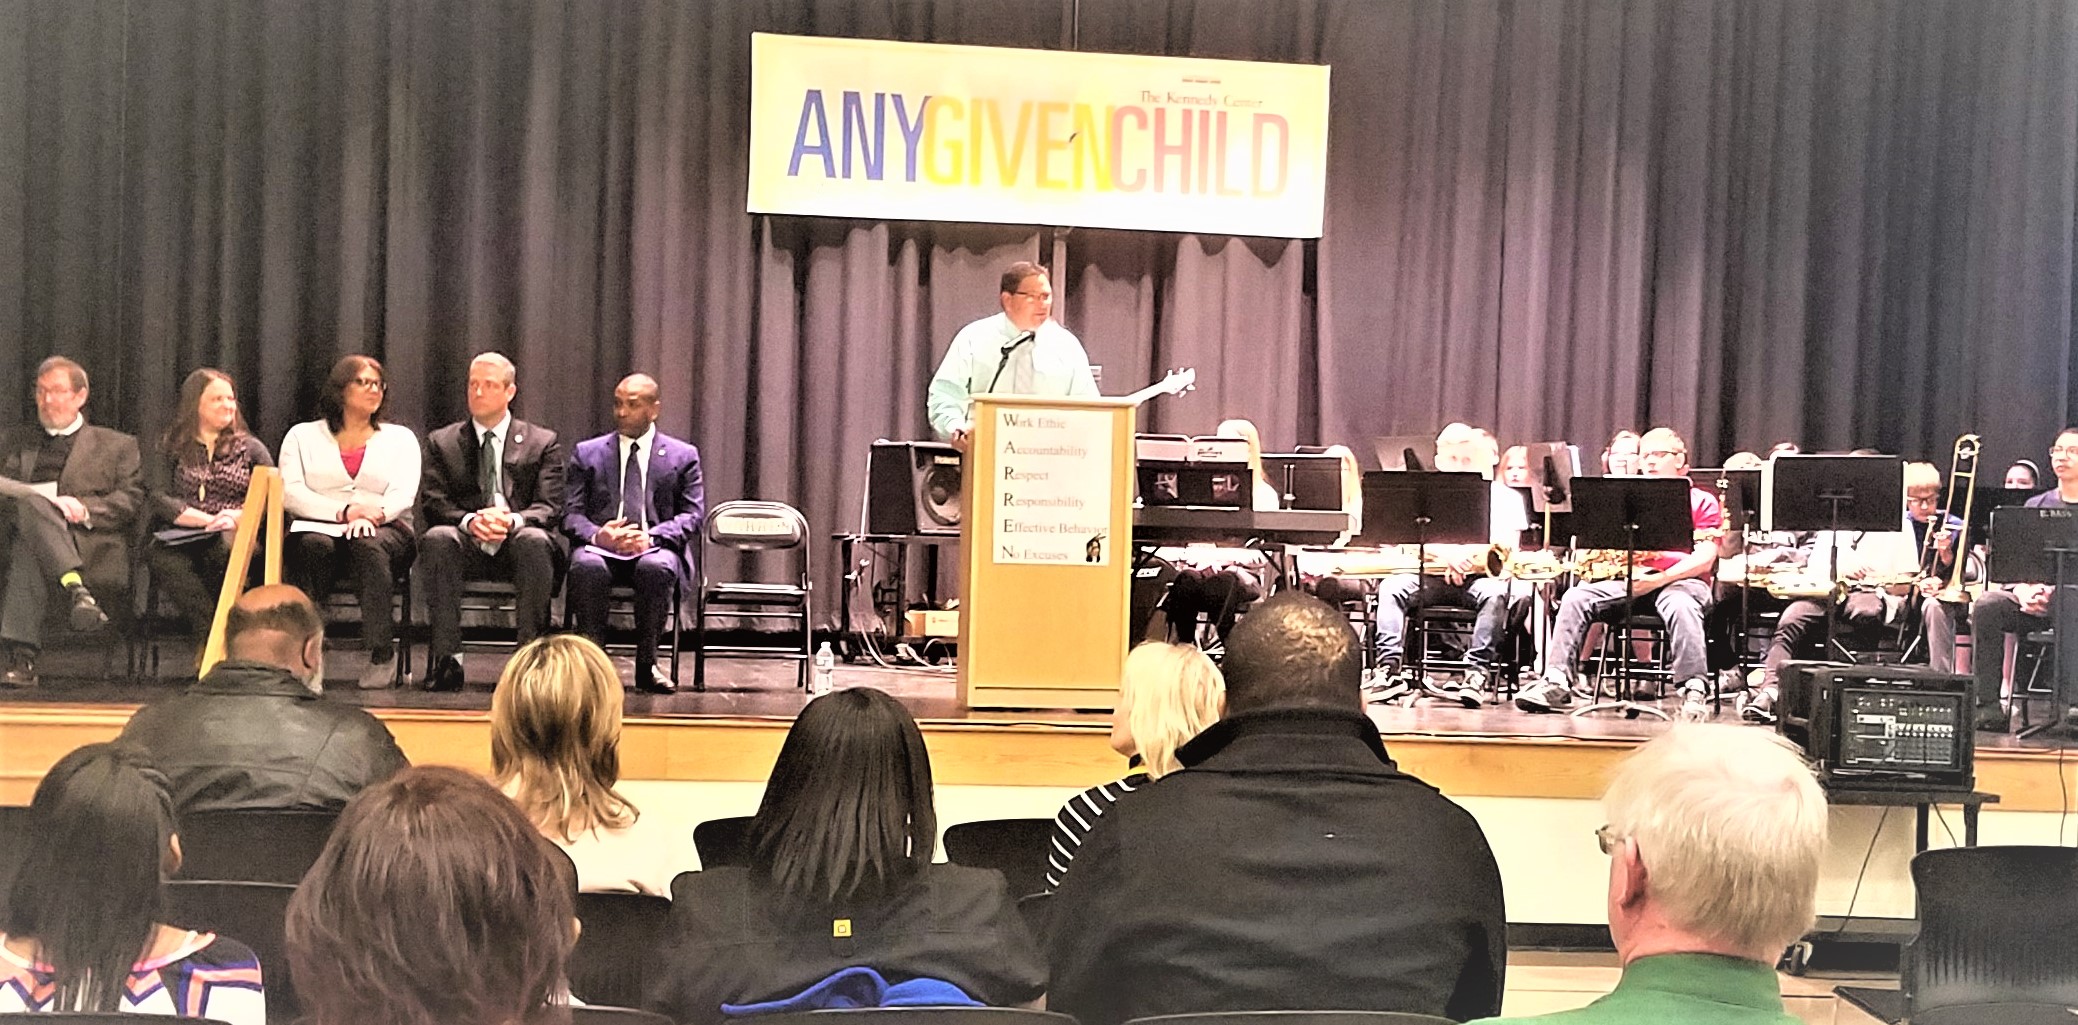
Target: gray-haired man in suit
490	499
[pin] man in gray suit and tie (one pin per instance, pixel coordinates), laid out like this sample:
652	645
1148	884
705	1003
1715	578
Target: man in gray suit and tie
89	476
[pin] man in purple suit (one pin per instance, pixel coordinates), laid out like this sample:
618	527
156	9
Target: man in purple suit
636	505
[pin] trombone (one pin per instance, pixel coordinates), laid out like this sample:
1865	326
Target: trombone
1962	477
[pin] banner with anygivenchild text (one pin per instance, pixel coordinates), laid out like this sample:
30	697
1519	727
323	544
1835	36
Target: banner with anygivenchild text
919	131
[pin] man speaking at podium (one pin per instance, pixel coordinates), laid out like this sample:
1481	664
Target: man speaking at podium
1020	351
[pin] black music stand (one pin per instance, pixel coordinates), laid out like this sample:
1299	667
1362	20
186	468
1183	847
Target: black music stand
1405	452
1635	514
1985	500
2036	544
1833	493
1305	480
1423	508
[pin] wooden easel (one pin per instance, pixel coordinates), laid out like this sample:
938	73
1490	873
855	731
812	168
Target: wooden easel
262	512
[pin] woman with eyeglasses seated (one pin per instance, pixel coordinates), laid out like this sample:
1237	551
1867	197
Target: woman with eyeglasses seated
198	483
840	904
82	929
435	902
349	481
555	750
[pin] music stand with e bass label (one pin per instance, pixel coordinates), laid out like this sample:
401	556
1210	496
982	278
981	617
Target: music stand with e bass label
1423	508
1649	514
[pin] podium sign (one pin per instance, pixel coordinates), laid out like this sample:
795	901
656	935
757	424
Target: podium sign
1053	494
1043	563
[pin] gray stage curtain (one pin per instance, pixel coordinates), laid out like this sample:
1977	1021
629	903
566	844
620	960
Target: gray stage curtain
1846	223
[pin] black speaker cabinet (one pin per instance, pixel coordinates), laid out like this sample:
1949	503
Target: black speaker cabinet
913	487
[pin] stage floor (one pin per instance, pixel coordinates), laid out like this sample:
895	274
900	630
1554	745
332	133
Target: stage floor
740	688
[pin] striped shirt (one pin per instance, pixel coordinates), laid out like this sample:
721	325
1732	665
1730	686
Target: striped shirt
1073	823
207	977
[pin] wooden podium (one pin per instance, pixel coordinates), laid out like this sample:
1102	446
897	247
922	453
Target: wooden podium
1046	551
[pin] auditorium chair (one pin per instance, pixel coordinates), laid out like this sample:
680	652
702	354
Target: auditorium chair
1037	911
596	1014
614	948
1988	951
14	846
722	843
920	1016
254	914
1014	847
274	846
1294	1018
733	528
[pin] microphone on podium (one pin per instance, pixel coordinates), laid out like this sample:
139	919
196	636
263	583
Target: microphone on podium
1022	339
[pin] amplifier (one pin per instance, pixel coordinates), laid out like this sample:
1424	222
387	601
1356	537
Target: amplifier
1205	472
1881	727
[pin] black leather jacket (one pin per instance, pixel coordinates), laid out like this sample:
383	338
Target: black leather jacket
250	736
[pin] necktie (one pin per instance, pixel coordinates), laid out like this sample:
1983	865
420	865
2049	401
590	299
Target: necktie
487	468
1024	371
633	508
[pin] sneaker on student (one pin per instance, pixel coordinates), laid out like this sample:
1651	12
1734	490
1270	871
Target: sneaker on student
1758	705
1385	683
1550	694
1695	702
1475	690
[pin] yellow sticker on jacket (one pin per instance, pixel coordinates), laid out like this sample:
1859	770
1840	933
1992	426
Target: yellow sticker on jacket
840	927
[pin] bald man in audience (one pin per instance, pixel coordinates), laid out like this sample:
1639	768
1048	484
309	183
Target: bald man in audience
1290	866
256	732
1714	838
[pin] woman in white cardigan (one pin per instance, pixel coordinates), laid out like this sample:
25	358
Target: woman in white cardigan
349	482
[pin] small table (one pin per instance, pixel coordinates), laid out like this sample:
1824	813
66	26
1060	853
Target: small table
1923	801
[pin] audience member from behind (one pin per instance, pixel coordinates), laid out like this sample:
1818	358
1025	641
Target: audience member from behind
840	877
1167	694
1291	866
435	902
255	733
555	749
1714	838
81	925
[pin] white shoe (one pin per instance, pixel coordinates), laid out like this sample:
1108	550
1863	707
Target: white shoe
378	675
1695	703
1546	695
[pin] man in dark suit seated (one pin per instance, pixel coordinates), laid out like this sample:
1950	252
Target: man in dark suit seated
489	499
93	473
636	506
1315	874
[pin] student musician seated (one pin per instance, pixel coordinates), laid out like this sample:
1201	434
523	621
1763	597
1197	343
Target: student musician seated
1885	590
2022	608
1676	584
1461	583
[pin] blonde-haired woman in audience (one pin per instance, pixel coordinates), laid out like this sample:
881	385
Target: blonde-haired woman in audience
555	749
1167	694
